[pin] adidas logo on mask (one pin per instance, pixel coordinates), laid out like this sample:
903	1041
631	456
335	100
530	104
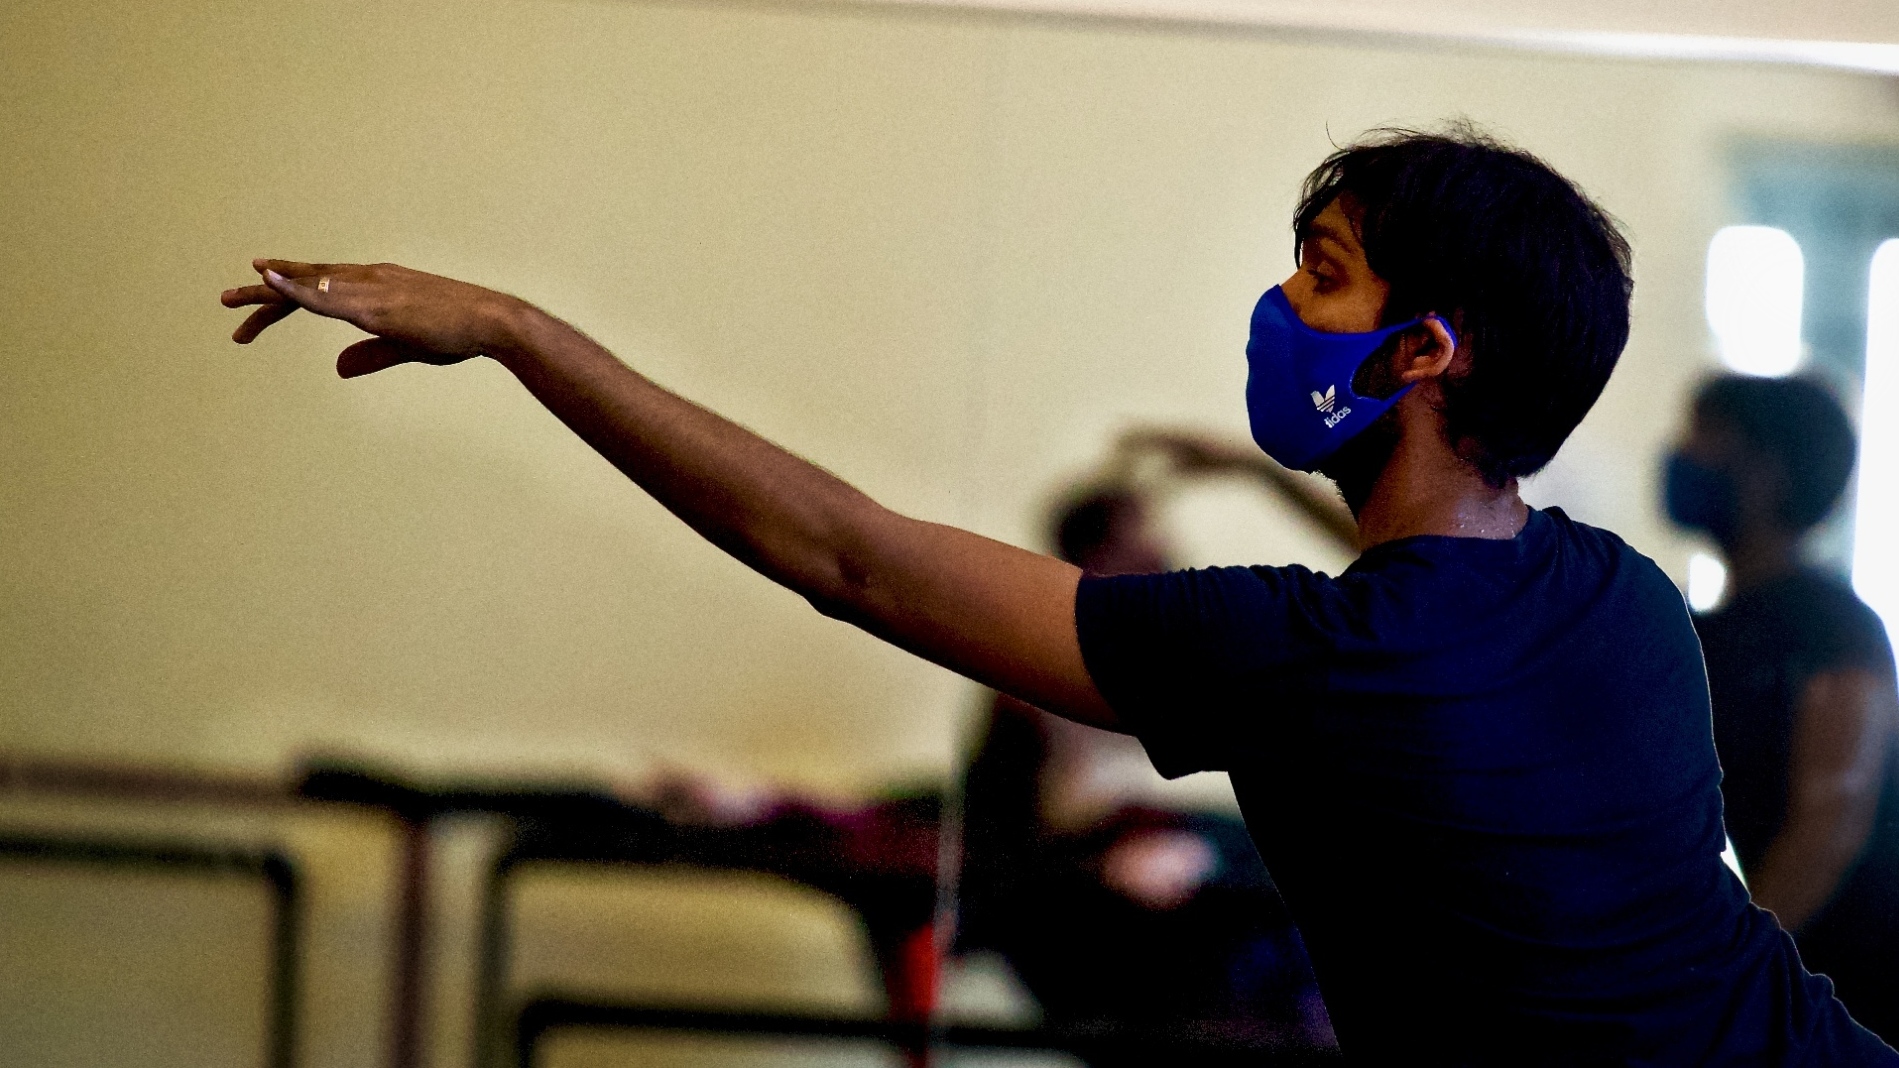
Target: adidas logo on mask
1325	402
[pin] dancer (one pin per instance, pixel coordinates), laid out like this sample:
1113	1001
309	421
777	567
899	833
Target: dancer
1478	763
1805	711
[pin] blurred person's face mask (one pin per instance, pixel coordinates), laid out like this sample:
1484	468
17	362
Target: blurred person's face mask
1299	395
1700	497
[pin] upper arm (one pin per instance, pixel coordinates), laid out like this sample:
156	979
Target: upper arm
1842	728
993	612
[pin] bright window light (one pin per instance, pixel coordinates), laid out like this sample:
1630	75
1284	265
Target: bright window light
1754	289
1707	581
1876	522
1733	860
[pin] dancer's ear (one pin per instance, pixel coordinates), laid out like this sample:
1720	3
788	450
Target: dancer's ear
1425	351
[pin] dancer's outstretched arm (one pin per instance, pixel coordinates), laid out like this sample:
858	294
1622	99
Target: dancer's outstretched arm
995	613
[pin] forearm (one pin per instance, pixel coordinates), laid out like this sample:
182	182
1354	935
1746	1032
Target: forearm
780	515
1196	453
1326	510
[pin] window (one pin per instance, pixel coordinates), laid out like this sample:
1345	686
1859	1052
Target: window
1876	525
1839	204
1755	275
1707	581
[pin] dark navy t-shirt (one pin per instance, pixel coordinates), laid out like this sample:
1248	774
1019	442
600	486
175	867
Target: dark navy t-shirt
1483	776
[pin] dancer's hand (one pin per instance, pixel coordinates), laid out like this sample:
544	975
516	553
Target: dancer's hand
417	317
1159	869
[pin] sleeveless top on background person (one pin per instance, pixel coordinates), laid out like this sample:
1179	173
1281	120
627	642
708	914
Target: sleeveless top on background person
1482	774
1762	650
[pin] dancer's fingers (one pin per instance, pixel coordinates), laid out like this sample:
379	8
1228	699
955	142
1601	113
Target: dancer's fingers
374	354
294	268
321	293
261	320
243	296
434	319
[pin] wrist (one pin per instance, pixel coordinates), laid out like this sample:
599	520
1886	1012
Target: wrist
513	328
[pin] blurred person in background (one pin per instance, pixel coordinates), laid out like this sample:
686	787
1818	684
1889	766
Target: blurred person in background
1107	903
1801	675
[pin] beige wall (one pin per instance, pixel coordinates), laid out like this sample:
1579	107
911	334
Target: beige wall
947	256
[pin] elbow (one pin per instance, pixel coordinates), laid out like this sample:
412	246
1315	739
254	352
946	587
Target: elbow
820	559
831	606
849	566
842	589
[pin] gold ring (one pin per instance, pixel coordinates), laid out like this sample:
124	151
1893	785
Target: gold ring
323	284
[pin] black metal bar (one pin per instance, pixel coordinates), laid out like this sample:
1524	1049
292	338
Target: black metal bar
410	966
491	971
412	809
125	782
272	867
1202	1044
285	938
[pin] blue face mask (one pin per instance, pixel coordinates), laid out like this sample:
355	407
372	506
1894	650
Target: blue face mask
1700	497
1299	394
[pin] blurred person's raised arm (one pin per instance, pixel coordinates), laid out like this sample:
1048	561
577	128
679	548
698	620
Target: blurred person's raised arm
1843	728
998	614
1193	452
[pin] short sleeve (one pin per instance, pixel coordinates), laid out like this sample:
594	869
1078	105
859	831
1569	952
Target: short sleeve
1841	631
1867	644
1195	663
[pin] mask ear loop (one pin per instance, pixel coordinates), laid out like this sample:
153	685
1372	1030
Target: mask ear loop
1390	332
1385	334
